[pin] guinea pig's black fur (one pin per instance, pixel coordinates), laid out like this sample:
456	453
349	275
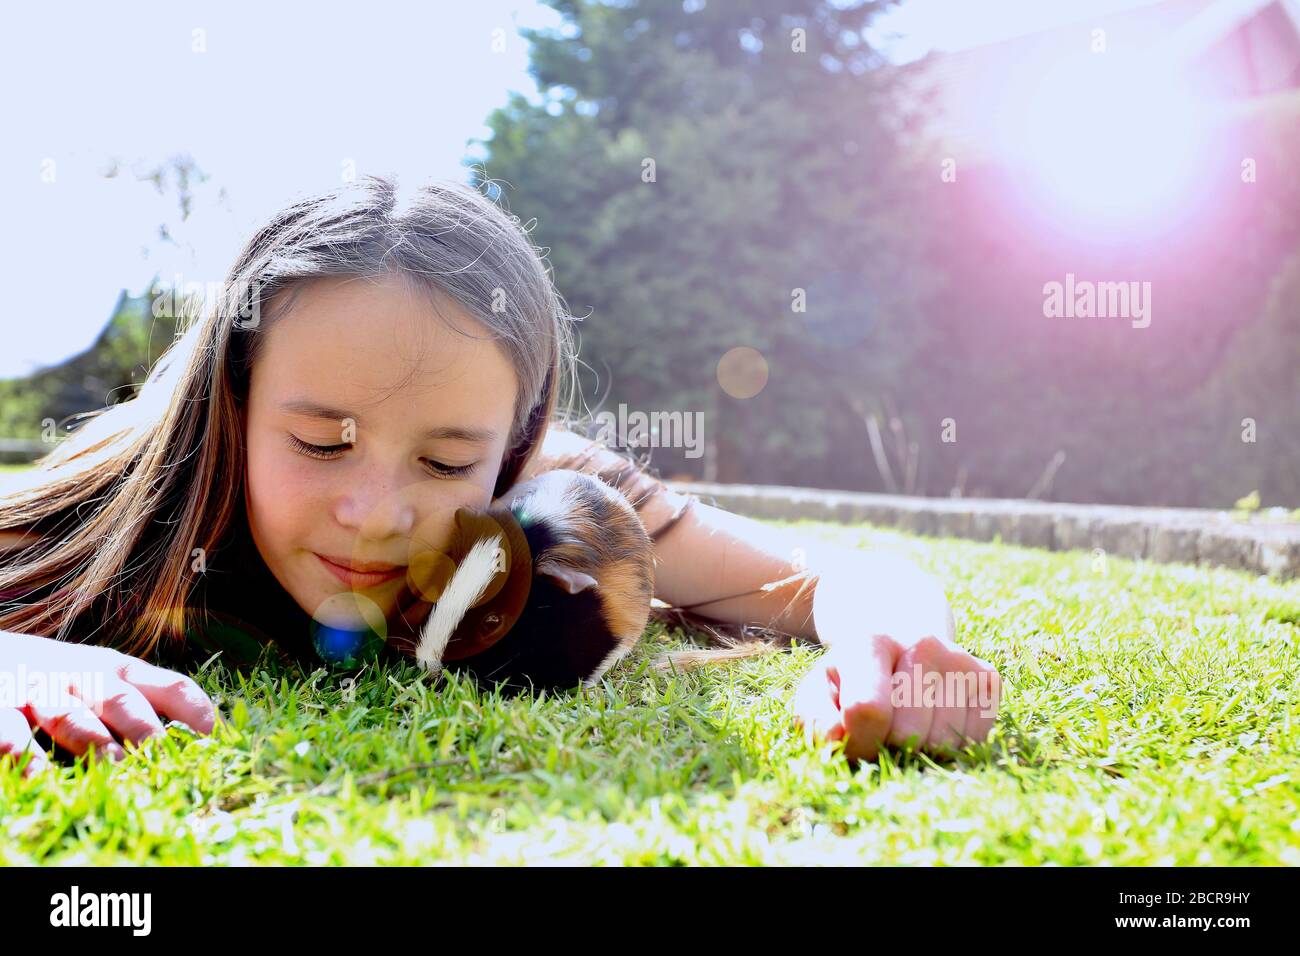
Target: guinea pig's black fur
572	596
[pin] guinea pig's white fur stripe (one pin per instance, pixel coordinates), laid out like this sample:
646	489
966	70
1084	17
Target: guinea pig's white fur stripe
610	660
467	585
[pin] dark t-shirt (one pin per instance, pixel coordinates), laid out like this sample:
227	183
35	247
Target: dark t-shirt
247	608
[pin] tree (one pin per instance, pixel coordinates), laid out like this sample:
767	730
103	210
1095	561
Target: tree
707	177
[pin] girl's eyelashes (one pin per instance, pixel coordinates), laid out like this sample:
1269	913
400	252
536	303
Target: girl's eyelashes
331	452
452	471
314	451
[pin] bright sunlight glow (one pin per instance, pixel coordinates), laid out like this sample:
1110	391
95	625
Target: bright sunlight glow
1103	146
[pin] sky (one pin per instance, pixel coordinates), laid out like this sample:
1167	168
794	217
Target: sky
914	27
270	100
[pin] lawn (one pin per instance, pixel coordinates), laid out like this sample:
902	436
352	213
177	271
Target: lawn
1149	717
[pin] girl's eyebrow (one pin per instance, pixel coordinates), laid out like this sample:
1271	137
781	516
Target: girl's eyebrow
463	433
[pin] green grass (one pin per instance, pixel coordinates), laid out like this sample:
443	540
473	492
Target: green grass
1149	717
12	468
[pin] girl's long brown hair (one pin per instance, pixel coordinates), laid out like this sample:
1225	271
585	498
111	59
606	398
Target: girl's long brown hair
120	513
117	517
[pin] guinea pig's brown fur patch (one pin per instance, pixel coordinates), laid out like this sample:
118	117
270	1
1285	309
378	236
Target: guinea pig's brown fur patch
604	537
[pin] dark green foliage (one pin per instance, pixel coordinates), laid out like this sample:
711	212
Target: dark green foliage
777	170
774	171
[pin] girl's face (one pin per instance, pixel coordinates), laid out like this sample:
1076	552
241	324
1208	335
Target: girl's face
368	424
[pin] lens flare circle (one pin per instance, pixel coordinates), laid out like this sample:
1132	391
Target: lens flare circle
742	372
348	629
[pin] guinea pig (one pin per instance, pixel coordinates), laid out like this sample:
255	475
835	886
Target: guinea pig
553	585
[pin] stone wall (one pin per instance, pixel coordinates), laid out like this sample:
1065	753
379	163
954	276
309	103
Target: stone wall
1156	534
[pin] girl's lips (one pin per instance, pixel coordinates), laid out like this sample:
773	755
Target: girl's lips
359	579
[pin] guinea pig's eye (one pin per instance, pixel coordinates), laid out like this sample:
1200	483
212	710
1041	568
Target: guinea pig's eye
491	621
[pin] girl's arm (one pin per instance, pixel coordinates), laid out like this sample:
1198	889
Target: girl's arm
711	553
893	674
885	621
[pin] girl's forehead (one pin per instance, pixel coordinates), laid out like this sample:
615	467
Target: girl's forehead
374	310
366	340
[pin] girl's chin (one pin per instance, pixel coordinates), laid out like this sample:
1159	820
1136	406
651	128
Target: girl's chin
349	610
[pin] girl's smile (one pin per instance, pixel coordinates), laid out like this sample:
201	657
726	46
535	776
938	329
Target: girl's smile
360	576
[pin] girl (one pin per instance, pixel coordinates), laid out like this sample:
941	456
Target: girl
376	361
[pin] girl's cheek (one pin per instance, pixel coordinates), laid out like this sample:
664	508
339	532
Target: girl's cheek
285	487
299	475
306	496
289	466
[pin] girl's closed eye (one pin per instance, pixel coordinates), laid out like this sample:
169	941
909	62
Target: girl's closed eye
315	451
331	452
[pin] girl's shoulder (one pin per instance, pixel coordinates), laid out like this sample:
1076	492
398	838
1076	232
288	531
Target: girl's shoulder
564	448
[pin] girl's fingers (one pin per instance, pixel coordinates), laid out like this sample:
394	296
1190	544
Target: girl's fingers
947	730
122	708
74	727
952	699
865	673
816	705
171	694
16	740
940	685
911	721
945	697
982	714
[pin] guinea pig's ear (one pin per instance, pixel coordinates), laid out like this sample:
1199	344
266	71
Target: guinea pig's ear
572	581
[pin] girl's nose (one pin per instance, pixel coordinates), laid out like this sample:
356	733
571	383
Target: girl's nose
392	516
378	508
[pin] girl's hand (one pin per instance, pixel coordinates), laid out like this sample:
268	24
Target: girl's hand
877	692
80	694
893	673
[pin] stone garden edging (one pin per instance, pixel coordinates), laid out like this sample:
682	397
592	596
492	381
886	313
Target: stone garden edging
1187	535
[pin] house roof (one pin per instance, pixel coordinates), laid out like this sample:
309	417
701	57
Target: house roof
1230	50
